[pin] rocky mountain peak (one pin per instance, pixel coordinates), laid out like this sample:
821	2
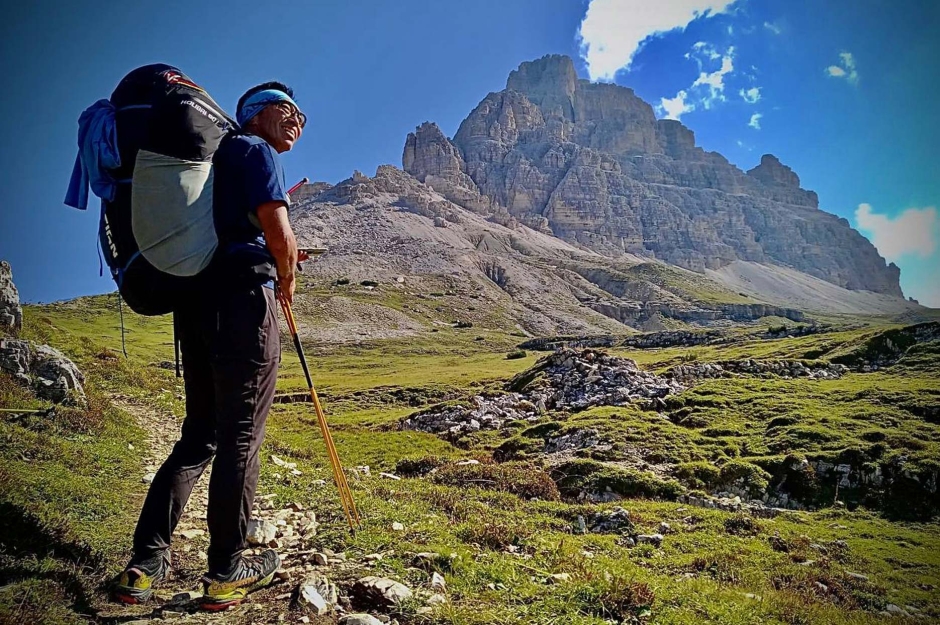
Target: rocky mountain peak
591	164
772	172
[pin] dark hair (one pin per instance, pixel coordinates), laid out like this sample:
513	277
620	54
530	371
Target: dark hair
263	86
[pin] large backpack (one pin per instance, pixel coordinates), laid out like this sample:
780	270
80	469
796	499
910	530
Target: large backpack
158	233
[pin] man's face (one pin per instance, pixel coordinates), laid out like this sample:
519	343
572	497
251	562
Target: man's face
279	124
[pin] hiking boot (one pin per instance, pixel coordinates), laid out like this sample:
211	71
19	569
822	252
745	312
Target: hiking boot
135	583
250	573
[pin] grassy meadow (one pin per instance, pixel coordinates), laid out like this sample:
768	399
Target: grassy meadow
72	489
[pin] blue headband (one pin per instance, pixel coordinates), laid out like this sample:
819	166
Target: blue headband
257	101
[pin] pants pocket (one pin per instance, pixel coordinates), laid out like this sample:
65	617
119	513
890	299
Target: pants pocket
244	327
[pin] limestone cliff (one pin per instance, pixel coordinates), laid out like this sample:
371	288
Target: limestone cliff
590	163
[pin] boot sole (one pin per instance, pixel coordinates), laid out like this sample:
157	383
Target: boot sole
131	596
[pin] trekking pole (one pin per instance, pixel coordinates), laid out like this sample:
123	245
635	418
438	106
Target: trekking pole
339	476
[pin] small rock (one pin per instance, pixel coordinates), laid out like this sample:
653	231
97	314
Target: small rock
148	479
652	539
359	619
856	576
373	557
398	527
191	533
664	528
559	578
261	532
317	593
319	559
380	591
424	560
389	476
893	609
283	463
436	599
437	582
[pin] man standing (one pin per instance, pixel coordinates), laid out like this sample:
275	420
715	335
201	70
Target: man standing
230	348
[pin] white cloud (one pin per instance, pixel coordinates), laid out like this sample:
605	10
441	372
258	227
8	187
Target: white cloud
774	28
613	31
715	81
755	121
704	49
846	68
707	89
751	96
675	107
913	231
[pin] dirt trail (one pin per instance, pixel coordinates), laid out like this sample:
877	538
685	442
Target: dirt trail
177	597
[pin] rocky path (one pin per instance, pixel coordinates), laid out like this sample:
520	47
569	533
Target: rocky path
301	592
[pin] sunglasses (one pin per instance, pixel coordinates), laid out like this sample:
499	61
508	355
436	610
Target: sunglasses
291	112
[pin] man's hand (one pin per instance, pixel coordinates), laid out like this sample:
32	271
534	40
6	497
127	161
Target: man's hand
280	240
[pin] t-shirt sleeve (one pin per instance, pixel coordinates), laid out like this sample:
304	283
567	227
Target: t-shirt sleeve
264	177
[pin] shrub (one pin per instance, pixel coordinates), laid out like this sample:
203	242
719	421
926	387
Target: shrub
779	422
369	283
619	598
517	478
341	282
698	474
742	525
587	475
754	478
416	467
493	533
463	324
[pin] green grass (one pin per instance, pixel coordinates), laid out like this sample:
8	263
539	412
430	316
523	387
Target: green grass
72	507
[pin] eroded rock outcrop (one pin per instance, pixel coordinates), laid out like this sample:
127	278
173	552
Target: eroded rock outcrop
590	163
11	315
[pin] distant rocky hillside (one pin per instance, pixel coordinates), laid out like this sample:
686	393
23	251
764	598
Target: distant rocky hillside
591	164
421	260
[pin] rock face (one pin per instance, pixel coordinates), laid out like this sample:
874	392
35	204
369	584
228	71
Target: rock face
590	163
11	315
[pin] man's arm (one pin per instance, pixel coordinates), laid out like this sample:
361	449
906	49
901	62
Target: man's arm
281	242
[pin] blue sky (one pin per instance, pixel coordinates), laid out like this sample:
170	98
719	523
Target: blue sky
845	93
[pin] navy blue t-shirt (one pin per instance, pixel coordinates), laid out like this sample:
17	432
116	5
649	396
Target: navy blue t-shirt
247	173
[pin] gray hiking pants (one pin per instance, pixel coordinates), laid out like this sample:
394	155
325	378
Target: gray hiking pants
230	350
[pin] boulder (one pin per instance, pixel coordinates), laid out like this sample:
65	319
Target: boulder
48	371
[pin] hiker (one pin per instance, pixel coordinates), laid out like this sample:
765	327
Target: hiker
229	339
